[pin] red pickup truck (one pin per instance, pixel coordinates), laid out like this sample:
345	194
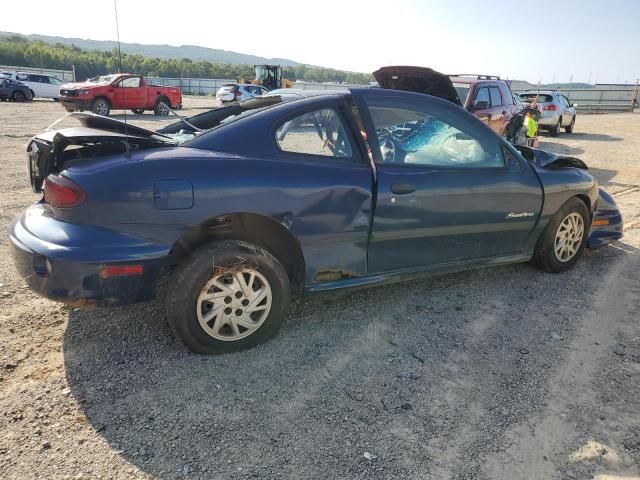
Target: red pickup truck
122	91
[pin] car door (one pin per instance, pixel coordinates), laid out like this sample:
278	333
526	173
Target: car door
449	191
55	84
129	94
567	111
318	151
483	108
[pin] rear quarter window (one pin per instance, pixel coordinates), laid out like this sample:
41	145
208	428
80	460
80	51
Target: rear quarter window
541	97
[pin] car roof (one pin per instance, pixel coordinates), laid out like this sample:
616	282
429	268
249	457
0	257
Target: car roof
544	92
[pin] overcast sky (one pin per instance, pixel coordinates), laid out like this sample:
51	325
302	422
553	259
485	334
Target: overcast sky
542	40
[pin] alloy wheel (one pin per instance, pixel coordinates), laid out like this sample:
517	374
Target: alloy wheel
163	109
232	306
101	107
569	237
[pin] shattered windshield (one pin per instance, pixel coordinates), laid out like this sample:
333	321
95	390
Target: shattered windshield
102	80
463	91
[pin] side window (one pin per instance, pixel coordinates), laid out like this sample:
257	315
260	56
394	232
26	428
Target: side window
43	79
421	134
131	82
496	98
482	96
315	133
55	81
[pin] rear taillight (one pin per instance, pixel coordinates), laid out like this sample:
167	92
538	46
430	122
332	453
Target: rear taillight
551	107
61	192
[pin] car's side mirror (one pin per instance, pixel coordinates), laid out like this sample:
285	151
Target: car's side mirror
481	105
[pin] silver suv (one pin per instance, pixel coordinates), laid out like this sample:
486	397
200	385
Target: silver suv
556	111
237	92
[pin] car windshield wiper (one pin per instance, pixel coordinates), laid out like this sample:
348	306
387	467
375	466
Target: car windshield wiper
184	120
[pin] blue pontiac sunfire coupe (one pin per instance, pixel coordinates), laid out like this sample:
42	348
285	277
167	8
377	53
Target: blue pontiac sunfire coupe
248	205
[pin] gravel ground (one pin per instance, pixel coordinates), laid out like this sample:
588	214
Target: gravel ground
506	373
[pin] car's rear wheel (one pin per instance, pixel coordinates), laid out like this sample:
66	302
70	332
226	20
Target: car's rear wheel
101	107
138	111
162	107
563	240
18	96
226	297
555	131
569	128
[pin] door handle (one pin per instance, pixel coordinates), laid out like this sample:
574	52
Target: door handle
402	188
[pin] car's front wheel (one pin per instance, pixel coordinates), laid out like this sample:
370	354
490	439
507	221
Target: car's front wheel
226	297
563	240
101	107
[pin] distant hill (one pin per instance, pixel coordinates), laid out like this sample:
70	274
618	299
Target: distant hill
192	52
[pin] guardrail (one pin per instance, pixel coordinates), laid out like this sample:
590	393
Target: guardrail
602	100
192	86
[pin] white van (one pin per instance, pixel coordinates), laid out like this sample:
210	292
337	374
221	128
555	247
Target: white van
40	84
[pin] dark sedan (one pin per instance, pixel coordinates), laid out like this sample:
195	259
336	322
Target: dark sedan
248	205
12	90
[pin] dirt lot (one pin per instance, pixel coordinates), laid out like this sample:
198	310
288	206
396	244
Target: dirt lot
508	373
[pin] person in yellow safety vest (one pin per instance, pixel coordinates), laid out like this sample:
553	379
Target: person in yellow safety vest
530	124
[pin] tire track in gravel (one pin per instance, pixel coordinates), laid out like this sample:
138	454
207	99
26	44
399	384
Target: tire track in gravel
544	441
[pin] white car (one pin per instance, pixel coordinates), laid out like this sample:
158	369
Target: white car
237	92
40	84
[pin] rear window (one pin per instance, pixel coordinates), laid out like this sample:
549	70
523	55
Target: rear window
542	98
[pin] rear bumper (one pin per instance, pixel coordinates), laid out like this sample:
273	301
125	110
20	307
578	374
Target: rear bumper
67	264
549	119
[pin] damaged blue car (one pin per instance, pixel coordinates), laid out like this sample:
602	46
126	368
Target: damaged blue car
247	206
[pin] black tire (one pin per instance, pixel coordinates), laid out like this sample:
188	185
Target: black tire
33	95
162	107
555	131
138	111
101	106
191	276
545	256
18	96
569	129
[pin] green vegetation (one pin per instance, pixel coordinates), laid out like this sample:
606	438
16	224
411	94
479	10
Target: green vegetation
19	50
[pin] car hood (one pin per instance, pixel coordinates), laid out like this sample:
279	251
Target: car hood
419	80
76	85
544	159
